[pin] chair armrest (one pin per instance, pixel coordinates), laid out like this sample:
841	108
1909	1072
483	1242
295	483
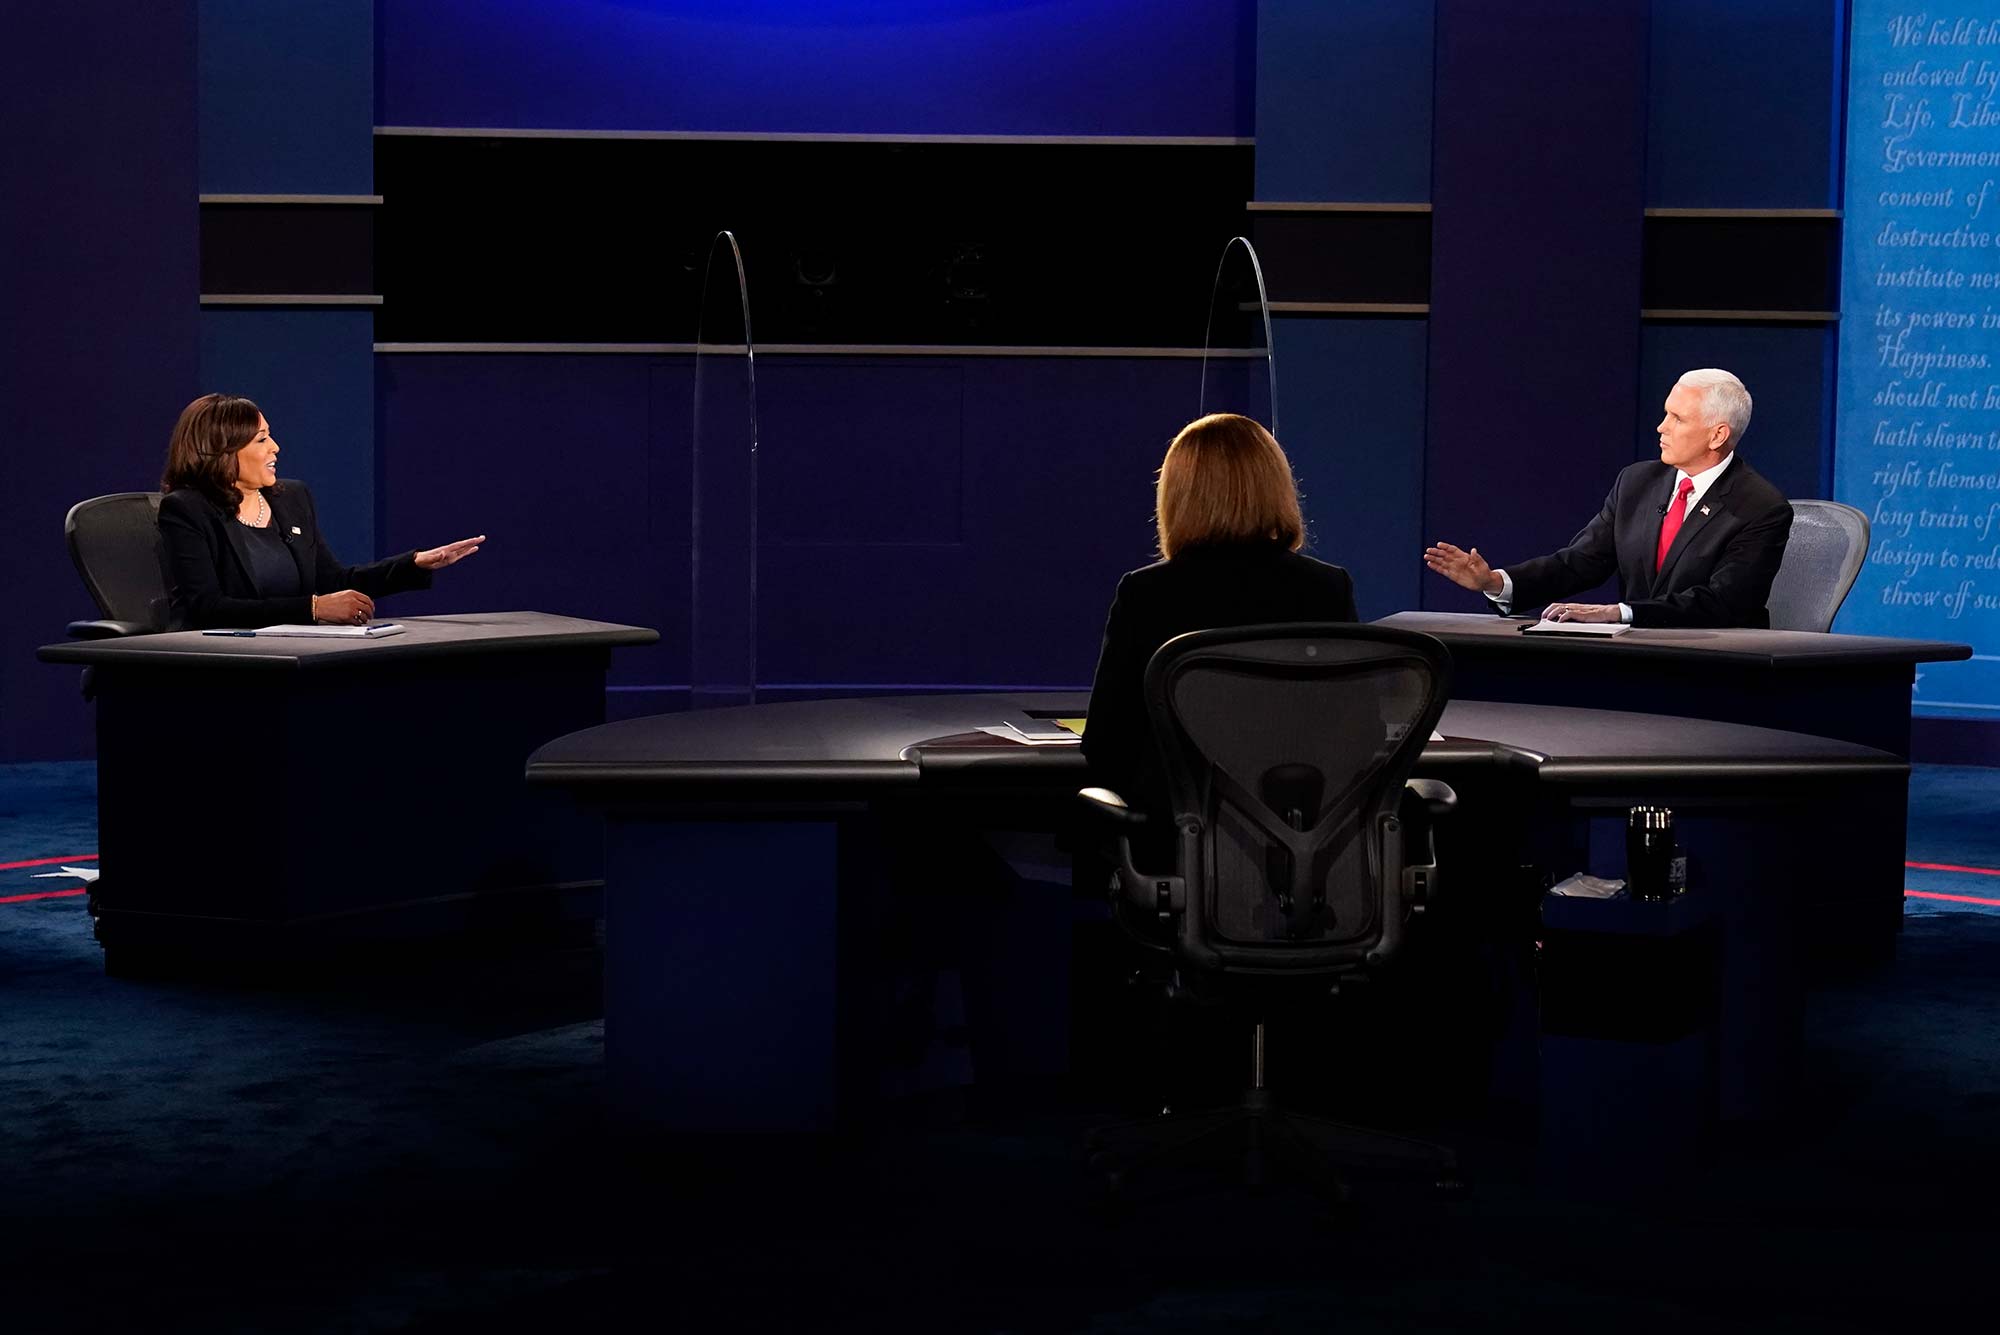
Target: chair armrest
107	630
1436	795
1111	808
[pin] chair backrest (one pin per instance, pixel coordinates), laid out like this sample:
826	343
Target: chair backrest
1829	542
115	542
1285	750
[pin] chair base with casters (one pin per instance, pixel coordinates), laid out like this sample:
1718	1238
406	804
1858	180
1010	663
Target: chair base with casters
1302	849
1256	1141
1263	1143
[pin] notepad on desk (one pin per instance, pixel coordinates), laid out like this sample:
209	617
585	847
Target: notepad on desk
1547	627
1033	732
373	631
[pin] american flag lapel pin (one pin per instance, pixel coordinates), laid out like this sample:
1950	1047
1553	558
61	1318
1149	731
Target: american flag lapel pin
1704	510
295	527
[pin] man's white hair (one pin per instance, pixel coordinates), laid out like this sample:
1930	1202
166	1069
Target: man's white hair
1723	399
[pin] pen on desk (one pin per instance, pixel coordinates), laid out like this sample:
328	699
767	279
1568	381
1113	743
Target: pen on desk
246	634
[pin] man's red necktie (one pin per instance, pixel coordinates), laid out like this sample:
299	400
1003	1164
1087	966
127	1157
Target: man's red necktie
1676	513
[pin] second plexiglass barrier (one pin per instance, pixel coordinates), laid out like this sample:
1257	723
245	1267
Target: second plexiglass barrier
722	602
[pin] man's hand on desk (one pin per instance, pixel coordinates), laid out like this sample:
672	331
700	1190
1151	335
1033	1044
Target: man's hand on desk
1467	569
1599	612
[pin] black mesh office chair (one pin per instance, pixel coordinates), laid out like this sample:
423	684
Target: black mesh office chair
1829	541
1286	750
115	542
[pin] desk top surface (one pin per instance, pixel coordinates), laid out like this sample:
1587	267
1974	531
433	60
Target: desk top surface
834	748
1776	649
422	638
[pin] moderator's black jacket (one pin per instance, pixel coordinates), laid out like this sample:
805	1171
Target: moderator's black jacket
1717	573
1224	584
205	559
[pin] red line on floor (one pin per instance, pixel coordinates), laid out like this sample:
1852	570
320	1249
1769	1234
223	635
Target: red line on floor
1952	866
1961	899
48	862
44	894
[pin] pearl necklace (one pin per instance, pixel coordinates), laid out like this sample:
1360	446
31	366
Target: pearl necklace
263	514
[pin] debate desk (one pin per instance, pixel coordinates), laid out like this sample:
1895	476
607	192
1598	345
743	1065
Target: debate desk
742	845
1854	687
253	790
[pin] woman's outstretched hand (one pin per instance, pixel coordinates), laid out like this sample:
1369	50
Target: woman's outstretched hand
437	558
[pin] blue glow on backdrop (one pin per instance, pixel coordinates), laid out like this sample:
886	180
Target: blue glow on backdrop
1045	67
1918	443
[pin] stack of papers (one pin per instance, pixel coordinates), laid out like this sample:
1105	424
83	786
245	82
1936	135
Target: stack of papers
1581	886
373	631
1033	732
1547	627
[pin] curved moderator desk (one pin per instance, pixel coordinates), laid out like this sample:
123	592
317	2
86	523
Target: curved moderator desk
252	784
742	844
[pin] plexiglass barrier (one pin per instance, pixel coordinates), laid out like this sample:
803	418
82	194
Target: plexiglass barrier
1238	372
722	603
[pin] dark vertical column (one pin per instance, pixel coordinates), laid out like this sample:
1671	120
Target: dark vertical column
1538	189
288	108
1343	116
98	258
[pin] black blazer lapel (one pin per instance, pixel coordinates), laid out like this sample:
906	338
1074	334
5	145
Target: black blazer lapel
238	539
296	529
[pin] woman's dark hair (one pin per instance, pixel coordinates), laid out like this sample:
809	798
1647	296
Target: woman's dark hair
201	456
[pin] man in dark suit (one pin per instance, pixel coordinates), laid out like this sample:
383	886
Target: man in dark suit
1695	539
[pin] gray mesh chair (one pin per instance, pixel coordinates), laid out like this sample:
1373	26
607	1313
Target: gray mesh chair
1286	750
1829	541
115	543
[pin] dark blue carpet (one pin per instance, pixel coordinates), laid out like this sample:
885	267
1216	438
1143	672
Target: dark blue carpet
420	1146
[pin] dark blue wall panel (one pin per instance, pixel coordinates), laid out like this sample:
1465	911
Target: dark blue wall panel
287	97
1745	99
576	470
970	532
1786	368
1344	100
1125	67
1352	394
98	270
1538	200
313	374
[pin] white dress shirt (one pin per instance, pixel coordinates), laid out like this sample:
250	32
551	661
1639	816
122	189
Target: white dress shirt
1504	600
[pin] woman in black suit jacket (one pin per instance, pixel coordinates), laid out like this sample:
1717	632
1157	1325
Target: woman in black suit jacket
240	548
1230	532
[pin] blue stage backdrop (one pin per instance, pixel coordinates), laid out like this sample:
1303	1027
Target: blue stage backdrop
1919	422
1079	67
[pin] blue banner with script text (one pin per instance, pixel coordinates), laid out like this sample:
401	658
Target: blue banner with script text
1918	443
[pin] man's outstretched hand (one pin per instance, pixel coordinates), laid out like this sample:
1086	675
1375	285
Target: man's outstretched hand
1467	569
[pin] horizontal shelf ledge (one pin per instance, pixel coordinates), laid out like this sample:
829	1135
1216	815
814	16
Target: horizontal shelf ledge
288	199
1742	213
1329	206
754	137
811	350
1346	308
1760	317
289	299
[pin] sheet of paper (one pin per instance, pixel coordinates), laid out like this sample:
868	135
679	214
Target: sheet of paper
1006	733
1546	627
374	631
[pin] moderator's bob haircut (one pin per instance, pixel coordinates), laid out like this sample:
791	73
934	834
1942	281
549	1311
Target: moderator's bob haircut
1226	480
201	455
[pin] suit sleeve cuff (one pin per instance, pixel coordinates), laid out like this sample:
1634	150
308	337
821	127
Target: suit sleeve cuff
1503	601
1625	613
